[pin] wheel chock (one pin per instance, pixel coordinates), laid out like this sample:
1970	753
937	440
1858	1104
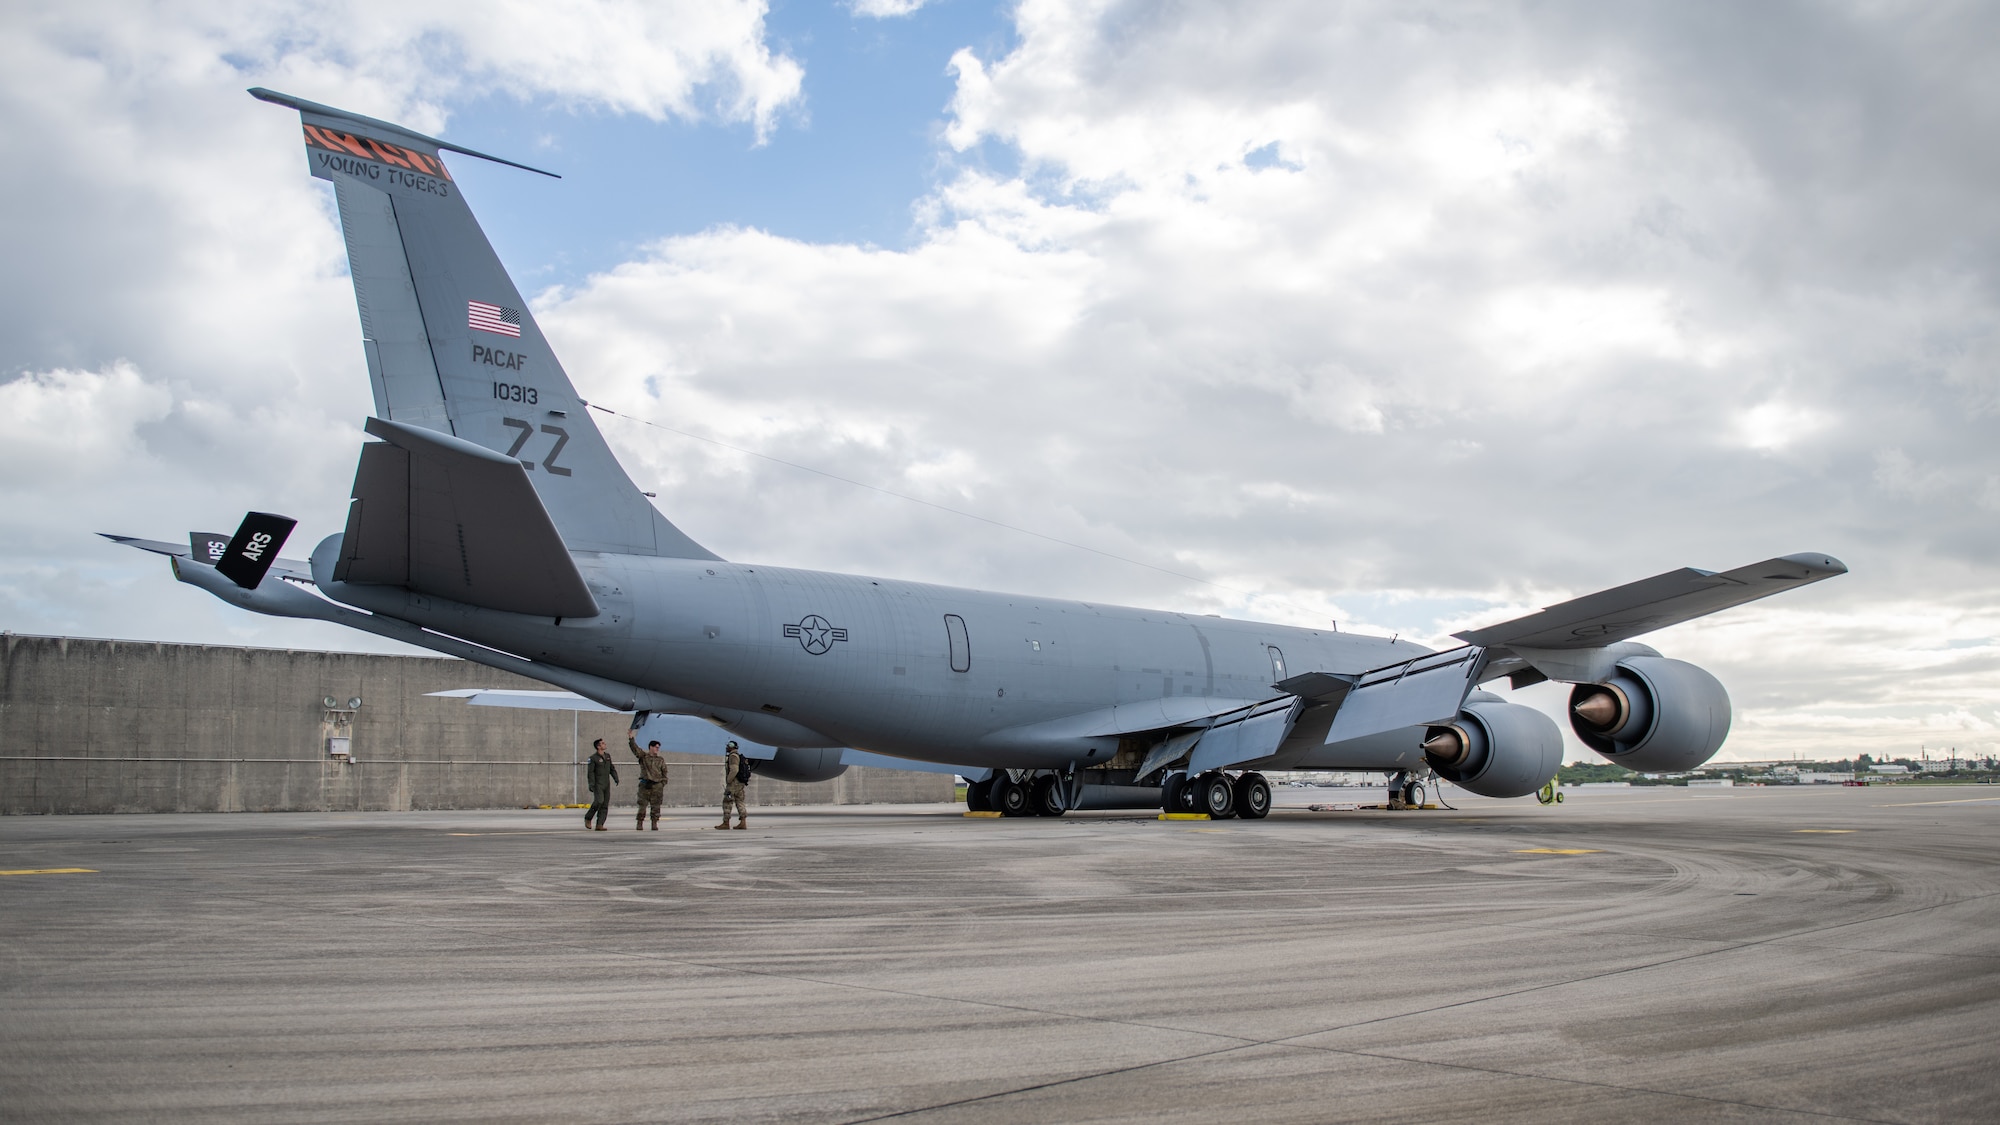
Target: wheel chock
1185	816
984	815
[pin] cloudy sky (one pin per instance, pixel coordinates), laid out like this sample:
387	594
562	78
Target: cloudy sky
1413	316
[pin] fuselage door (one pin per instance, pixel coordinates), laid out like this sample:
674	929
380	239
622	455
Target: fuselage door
1277	663
961	647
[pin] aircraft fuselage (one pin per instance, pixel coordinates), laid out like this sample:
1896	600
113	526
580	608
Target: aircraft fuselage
901	668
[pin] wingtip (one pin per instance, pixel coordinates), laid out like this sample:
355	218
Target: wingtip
1826	565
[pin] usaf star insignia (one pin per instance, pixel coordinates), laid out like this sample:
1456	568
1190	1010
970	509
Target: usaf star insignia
815	634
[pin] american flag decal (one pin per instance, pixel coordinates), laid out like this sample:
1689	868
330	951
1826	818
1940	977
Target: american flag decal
492	318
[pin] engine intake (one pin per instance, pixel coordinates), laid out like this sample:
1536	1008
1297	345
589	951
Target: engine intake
1652	714
1495	748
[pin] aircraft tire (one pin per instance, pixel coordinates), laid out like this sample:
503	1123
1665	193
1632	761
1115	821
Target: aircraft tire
1253	797
1046	798
1176	795
1214	795
1010	797
979	796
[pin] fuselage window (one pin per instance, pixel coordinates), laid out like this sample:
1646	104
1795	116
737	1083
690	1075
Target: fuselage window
1277	664
961	648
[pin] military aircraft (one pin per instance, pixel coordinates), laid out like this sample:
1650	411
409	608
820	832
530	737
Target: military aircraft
491	522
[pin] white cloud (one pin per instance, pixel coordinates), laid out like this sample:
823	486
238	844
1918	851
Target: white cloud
81	422
885	9
1772	426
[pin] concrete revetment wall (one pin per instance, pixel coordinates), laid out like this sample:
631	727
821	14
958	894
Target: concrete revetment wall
98	726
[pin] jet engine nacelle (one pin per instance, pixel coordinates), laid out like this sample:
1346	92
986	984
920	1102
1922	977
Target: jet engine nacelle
788	764
1495	748
1652	714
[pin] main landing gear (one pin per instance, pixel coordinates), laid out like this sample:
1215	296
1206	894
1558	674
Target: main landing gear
1031	795
1220	796
1217	794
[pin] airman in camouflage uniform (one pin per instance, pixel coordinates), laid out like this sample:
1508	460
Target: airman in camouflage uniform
599	773
652	779
732	787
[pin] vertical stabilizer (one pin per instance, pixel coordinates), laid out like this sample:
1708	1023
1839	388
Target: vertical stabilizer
449	342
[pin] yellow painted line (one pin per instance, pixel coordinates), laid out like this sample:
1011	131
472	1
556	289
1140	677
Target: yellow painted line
1558	851
53	871
984	815
1665	800
1823	831
1960	801
1184	816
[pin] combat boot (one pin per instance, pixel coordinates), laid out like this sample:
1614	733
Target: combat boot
739	822
724	824
639	825
656	824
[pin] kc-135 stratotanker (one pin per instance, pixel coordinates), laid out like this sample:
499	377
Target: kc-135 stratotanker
491	522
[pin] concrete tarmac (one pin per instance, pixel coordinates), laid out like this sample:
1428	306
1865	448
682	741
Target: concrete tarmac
1686	955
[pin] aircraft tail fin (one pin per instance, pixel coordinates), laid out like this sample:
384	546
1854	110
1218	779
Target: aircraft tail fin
450	343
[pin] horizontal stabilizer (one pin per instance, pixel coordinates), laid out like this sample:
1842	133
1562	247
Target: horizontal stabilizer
296	569
439	515
1653	603
376	125
1429	689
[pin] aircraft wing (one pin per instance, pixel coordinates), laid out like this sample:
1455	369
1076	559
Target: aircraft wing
524	699
1624	612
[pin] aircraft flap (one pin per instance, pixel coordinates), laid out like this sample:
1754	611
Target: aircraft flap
1166	753
1627	611
439	515
1429	689
1256	735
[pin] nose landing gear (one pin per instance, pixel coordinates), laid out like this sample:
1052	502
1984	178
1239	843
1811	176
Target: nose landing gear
1406	790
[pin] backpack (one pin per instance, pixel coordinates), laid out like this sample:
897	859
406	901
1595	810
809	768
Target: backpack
742	771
